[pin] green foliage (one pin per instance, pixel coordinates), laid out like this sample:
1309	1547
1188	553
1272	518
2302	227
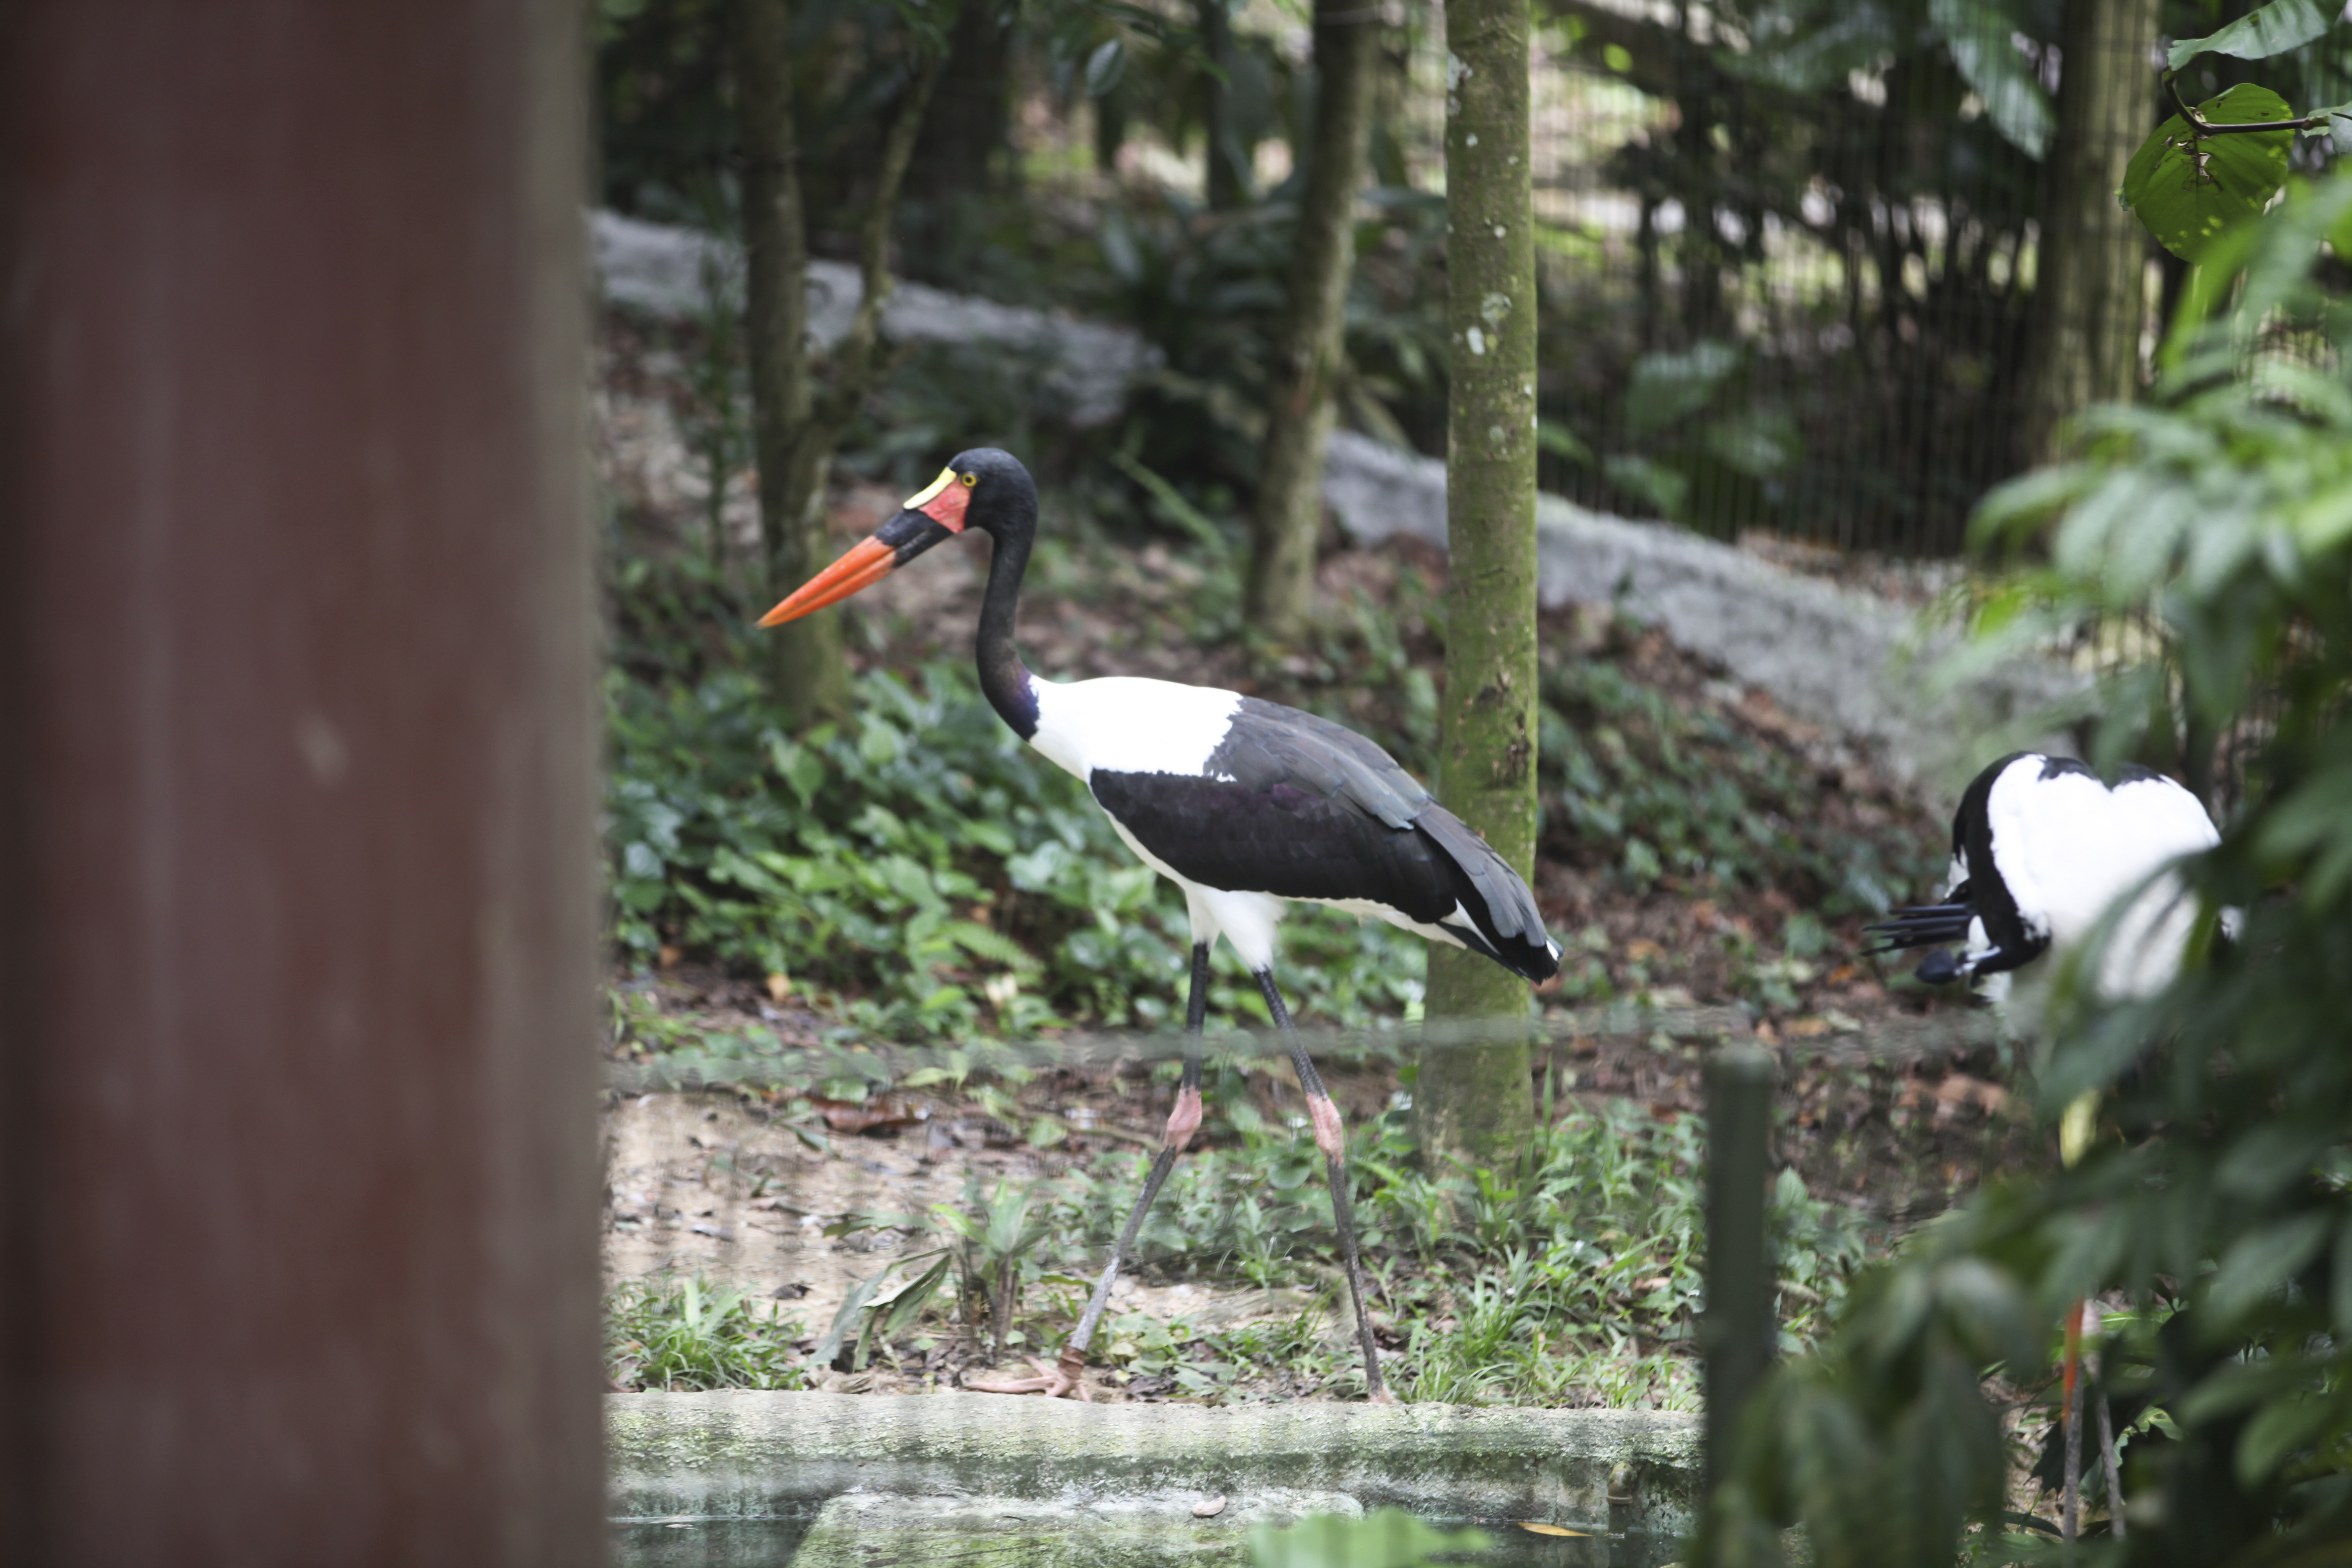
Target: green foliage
1636	785
1825	116
1390	1538
2204	171
2265	31
885	1312
2189	186
2218	1204
1977	35
1812	47
672	1334
1698	428
854	860
992	1236
1207	290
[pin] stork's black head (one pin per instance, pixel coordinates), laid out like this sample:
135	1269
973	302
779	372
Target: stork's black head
1000	496
984	489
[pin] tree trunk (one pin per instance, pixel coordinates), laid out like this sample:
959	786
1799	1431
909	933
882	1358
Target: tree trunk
1474	1102
1228	184
1298	424
795	431
808	672
2089	292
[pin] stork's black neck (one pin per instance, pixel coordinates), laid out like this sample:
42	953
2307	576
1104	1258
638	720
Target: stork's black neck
1003	677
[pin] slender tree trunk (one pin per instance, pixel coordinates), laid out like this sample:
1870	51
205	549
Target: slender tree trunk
808	673
2089	278
795	431
1475	1101
1298	424
1227	184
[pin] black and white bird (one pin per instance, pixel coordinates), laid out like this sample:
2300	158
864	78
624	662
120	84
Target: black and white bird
2044	852
1244	804
2043	849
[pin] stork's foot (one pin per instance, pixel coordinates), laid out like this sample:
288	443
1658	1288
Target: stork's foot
1053	1381
1382	1396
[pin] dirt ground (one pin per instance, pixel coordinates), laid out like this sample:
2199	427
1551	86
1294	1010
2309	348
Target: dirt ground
711	1186
720	1185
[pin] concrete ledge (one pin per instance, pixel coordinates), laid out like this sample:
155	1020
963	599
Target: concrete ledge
675	272
715	1455
1144	1532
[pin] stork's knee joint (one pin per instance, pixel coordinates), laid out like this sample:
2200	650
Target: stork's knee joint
1329	1135
1184	1121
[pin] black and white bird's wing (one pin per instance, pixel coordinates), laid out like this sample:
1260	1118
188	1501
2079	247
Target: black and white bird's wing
1295	807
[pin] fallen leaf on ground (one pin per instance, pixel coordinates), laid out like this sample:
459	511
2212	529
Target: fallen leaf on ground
884	1113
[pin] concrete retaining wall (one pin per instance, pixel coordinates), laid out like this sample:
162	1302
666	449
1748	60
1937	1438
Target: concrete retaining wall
740	1455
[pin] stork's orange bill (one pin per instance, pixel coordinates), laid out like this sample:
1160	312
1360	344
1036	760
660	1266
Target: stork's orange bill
932	515
867	562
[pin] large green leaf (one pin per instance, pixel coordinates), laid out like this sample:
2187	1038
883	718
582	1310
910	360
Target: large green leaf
1669	386
2273	29
1979	35
2188	187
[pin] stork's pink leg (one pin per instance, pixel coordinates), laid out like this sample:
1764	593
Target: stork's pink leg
1069	1374
1331	1138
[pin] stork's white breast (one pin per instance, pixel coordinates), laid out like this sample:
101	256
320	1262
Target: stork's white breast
1130	725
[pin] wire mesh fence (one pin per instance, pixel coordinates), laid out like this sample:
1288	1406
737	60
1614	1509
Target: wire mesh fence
1798	270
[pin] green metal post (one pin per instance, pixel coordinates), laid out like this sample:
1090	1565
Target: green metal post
1738	1334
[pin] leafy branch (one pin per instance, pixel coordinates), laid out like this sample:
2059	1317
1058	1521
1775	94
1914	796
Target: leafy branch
2189	183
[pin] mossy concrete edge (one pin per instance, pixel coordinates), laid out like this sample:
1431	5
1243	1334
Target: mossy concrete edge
744	1454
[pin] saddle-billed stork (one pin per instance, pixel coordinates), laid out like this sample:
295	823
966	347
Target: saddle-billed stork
1241	802
2042	851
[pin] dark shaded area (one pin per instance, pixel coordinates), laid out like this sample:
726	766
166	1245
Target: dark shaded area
298	868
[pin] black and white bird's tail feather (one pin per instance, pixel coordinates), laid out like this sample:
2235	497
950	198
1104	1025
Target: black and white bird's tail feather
1936	926
1504	924
1924	925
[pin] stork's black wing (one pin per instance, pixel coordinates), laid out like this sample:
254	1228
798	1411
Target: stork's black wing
1297	806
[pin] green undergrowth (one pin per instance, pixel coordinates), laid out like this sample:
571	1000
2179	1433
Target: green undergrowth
1570	1277
1648	790
681	1335
923	871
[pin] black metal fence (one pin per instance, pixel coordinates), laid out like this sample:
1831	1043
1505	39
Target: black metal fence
1792	259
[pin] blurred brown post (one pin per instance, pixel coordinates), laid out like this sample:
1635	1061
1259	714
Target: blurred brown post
297	874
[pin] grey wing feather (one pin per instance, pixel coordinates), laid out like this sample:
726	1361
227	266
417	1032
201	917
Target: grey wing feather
1269	743
1509	903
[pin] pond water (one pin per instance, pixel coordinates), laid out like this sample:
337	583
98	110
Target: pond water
772	1543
